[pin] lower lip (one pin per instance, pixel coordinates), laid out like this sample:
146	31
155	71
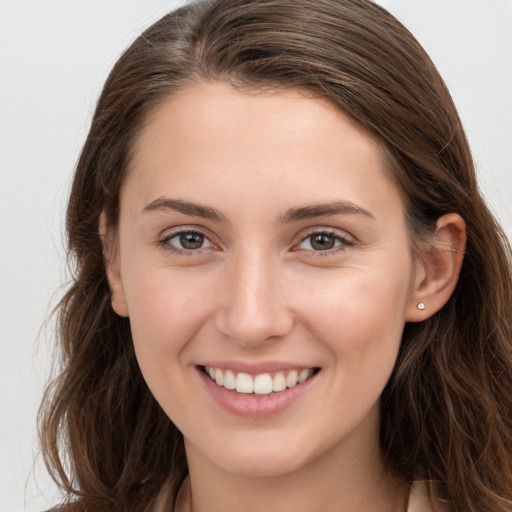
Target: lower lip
255	406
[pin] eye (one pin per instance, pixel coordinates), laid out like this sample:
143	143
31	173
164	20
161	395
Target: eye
186	241
323	241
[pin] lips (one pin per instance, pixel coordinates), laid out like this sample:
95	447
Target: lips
261	383
253	394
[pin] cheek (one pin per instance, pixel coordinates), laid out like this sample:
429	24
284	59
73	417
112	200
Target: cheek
165	315
166	310
361	328
360	318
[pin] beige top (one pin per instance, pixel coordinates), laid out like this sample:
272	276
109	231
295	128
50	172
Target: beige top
419	500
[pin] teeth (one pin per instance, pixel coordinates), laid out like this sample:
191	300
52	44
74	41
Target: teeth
279	382
244	383
229	380
291	379
262	384
303	375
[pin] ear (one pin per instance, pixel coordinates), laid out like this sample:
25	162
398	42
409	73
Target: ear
438	269
112	267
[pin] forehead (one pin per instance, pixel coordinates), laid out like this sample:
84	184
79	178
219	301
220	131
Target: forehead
225	117
211	138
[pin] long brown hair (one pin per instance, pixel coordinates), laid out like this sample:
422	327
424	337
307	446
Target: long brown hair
447	410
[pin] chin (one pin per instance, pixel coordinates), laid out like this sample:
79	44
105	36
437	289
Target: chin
263	466
261	458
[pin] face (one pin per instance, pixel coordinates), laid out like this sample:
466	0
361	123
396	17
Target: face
262	244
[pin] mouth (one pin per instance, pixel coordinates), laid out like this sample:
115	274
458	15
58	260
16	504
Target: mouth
262	384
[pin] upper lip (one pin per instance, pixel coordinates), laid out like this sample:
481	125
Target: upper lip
255	368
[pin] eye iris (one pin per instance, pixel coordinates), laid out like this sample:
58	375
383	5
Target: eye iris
191	240
322	242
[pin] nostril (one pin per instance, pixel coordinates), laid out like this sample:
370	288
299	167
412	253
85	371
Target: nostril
250	329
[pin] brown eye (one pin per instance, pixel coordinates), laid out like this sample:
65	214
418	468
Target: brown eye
322	241
187	241
191	240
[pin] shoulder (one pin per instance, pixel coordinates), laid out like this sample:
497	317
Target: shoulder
422	498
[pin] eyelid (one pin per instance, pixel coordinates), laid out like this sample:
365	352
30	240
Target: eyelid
185	228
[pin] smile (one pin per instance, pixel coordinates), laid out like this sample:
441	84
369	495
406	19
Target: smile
261	384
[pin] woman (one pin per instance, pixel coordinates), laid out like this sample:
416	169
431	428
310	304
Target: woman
289	292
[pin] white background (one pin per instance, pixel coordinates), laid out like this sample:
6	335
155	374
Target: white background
54	57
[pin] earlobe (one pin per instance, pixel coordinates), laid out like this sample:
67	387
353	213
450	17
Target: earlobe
438	271
112	267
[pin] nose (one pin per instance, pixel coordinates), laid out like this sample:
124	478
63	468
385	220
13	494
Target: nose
253	308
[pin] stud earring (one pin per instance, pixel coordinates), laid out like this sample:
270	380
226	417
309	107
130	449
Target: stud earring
421	305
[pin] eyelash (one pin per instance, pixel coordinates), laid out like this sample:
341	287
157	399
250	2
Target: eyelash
344	243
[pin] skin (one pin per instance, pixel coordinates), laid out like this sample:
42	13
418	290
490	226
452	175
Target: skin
257	290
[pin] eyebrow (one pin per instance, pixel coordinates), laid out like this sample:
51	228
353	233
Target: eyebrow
322	210
292	215
185	207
